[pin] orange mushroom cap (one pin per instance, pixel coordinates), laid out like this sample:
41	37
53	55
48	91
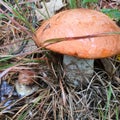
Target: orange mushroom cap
26	77
80	22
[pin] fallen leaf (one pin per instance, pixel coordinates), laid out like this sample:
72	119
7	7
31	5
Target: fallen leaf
48	9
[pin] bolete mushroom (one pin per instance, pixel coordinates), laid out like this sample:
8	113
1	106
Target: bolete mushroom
84	33
25	85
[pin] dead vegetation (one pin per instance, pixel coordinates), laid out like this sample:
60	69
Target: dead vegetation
56	99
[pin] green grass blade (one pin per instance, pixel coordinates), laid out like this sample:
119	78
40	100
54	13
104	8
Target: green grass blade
109	94
72	4
112	13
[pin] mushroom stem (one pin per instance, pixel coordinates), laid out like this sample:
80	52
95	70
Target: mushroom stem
25	90
77	70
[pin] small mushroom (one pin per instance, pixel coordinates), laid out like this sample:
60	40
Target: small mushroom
25	85
86	35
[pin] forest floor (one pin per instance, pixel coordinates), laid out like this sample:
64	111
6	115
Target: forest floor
51	96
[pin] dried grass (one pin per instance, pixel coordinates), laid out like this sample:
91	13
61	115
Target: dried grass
56	99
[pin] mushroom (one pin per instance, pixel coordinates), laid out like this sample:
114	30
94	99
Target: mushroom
25	85
85	35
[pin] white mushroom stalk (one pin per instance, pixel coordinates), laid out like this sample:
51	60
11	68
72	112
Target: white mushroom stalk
78	70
